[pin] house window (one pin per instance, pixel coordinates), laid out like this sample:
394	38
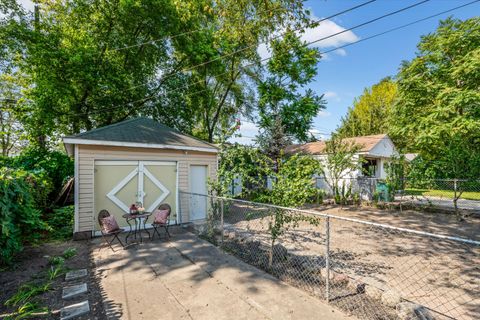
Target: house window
369	167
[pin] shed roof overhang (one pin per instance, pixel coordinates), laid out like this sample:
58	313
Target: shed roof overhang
138	133
71	142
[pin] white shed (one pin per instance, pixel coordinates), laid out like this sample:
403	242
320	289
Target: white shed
138	160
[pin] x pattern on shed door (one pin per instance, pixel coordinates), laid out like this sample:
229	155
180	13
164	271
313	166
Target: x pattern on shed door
118	184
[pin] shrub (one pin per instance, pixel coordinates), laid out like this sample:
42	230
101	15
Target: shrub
69	253
294	184
53	166
20	220
61	220
56	261
61	223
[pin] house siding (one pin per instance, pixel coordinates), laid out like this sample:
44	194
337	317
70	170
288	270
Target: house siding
384	149
87	154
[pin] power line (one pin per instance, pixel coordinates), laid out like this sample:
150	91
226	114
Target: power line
262	42
191	84
172	36
306	44
372	36
400	27
301	28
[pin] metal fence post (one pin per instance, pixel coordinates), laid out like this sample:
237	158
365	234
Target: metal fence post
455	188
327	258
221	221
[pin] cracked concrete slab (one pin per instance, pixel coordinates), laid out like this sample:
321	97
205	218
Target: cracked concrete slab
188	278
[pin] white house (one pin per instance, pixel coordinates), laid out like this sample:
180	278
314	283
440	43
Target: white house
376	151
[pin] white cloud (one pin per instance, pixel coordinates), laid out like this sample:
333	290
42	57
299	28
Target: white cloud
263	51
324	114
341	52
330	94
325	29
242	140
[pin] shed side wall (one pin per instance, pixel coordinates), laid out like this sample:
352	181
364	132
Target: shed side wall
88	154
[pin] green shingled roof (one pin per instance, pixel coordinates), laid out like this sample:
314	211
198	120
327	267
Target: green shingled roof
142	131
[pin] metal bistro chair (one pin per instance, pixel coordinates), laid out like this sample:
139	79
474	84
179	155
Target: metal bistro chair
158	225
104	214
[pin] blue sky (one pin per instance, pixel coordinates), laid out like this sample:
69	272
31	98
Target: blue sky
343	74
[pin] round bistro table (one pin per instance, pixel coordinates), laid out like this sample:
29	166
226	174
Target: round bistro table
137	227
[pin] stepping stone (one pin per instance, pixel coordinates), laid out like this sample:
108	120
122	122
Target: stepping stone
75	274
72	291
74	310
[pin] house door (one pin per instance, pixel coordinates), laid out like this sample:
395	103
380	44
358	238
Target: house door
118	184
198	185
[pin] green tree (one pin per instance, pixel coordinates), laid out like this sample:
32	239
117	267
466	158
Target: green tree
245	163
293	186
286	108
370	112
340	162
397	169
222	88
12	137
11	79
79	79
437	113
92	63
273	140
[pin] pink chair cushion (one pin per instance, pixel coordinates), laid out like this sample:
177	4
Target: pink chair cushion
109	224
161	216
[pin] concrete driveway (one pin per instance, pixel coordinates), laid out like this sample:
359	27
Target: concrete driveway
188	278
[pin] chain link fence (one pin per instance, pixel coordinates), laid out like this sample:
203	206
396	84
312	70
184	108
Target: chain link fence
429	194
368	270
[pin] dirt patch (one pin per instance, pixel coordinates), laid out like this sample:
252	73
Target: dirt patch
440	274
32	266
308	273
435	222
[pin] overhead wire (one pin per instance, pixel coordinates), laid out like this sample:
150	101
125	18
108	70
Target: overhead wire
256	44
268	58
150	42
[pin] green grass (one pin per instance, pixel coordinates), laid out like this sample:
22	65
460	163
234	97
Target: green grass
467	195
26	292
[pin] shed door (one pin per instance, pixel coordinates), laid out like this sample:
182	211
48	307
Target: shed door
118	184
198	184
